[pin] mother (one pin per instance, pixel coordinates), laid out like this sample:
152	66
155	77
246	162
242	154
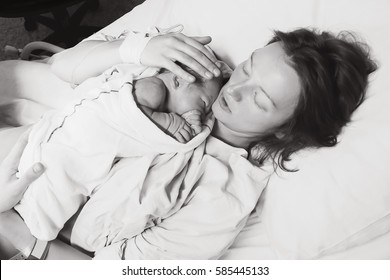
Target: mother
296	92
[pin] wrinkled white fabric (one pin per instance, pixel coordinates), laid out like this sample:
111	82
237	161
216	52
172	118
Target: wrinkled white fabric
196	216
80	144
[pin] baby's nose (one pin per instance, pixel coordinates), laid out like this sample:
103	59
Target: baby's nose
234	92
207	102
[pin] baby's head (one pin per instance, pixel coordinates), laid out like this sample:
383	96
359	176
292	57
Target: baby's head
183	96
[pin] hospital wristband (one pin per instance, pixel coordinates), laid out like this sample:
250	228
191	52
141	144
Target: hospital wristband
132	47
135	42
38	252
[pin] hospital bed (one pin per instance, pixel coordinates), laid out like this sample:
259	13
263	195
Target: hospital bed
338	205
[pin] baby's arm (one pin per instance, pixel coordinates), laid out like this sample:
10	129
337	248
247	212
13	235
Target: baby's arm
150	94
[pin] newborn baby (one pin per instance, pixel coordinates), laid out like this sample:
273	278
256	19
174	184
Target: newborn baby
175	105
136	113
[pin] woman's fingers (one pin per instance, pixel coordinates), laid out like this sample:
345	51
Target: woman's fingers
11	162
198	53
178	71
192	63
211	63
163	50
204	40
30	176
199	44
12	188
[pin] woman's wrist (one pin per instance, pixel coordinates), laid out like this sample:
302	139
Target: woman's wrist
16	231
13	229
25	253
135	42
37	251
132	47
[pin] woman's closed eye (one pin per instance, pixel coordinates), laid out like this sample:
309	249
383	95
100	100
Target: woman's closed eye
258	100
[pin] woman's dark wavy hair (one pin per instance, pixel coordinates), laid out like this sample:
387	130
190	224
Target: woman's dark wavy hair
333	72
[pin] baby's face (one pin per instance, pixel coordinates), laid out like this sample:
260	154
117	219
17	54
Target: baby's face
183	96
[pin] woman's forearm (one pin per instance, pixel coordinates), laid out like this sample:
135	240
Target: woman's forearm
85	60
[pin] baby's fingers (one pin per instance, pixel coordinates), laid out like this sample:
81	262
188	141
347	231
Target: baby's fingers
190	130
186	133
196	129
193	117
197	122
180	137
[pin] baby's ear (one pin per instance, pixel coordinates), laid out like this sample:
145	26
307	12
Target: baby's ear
176	81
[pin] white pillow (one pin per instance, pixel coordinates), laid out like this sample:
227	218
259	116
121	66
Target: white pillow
339	192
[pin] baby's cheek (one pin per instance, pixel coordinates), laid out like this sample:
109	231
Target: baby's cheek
214	91
214	96
196	107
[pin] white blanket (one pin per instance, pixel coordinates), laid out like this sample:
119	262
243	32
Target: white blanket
196	216
80	145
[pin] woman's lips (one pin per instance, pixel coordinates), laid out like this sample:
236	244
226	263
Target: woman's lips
224	104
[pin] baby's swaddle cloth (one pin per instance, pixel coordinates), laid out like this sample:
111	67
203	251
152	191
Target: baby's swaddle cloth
195	216
80	145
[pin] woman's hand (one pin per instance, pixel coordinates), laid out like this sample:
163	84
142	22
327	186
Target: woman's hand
165	50
12	188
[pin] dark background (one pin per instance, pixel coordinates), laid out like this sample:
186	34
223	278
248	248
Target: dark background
13	33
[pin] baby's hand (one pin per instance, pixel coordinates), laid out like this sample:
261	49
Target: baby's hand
194	119
184	134
179	128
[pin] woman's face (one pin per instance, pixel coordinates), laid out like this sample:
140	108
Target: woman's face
261	94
